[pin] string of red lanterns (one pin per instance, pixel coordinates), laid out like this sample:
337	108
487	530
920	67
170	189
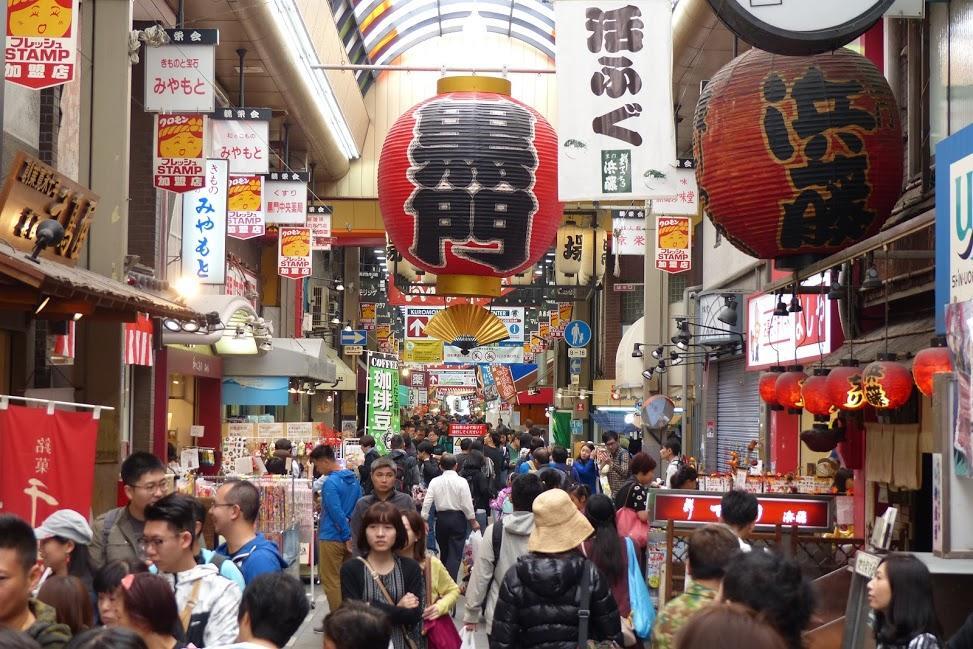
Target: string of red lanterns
788	389
887	384
768	386
817	398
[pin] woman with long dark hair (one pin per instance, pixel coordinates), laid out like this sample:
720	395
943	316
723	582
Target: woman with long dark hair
607	549
63	540
900	594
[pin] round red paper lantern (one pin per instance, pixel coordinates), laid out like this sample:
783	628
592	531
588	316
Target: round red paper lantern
820	144
467	185
768	386
788	388
845	386
929	362
887	384
817	398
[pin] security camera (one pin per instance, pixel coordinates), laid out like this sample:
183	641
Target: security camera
693	295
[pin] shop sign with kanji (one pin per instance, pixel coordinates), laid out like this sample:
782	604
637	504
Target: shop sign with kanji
673	244
204	227
245	210
242	136
285	197
42	42
614	85
319	220
381	404
683	198
178	153
35	192
294	253
179	75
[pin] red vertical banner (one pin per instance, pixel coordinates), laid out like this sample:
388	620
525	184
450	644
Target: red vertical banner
46	461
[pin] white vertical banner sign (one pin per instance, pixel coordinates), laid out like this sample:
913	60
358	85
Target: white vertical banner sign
204	227
242	136
616	137
285	197
319	220
179	75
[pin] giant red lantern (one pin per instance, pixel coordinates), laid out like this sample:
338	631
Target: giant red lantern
929	362
887	384
845	385
767	386
797	157
817	399
467	185
788	388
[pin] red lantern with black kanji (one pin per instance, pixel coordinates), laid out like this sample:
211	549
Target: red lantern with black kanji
817	399
929	362
767	386
788	388
887	384
845	385
467	185
821	142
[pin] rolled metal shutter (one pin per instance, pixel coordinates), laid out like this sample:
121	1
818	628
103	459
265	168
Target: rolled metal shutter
738	410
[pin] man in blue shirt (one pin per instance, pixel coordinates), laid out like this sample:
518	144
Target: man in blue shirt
339	494
234	512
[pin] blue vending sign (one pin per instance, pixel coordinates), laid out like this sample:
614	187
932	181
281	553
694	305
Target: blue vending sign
354	337
954	222
577	333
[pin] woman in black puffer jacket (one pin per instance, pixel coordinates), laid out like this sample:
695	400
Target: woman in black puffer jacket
541	595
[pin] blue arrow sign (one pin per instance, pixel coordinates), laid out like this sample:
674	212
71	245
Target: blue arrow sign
354	337
577	333
575	366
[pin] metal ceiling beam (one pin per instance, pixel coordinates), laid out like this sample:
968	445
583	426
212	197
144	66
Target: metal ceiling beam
431	68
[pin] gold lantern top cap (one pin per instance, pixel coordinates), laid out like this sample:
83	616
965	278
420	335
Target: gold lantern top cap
473	83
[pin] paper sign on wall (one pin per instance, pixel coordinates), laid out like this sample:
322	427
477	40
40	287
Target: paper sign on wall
204	227
178	75
42	43
178	152
245	212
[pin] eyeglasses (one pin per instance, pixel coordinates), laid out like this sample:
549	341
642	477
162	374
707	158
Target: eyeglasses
152	487
156	543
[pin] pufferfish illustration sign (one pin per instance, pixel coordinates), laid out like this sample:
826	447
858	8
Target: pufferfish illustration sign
178	153
245	218
673	244
42	42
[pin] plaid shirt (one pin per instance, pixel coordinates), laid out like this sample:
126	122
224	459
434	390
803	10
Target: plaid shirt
619	472
677	612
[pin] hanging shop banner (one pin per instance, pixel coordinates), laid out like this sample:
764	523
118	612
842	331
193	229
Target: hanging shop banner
775	340
319	220
285	197
241	281
383	334
513	319
423	351
673	244
138	341
503	353
368	315
204	227
487	385
954	222
245	215
465	378
178	153
629	235
241	136
47	461
179	75
61	347
614	95
504	381
684	197
560	316
42	42
381	405
294	253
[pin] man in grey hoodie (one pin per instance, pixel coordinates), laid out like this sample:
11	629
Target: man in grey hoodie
491	566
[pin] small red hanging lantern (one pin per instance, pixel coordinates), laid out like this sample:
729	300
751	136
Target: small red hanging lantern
887	384
929	362
768	386
788	388
845	385
817	398
467	185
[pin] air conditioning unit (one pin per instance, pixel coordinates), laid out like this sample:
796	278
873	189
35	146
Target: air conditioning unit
322	308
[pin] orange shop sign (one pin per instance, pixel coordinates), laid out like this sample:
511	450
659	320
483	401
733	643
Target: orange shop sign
294	252
42	42
179	163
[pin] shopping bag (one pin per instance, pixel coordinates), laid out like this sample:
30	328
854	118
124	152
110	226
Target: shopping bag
631	526
643	610
441	633
469	639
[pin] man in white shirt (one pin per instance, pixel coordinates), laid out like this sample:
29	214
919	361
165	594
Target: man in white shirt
451	496
739	511
671	452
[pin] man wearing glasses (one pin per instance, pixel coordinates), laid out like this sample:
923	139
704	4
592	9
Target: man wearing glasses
116	533
614	461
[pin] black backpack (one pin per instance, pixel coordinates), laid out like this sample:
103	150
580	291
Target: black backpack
479	483
406	473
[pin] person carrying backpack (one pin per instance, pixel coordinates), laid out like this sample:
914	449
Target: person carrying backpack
475	473
407	469
383	481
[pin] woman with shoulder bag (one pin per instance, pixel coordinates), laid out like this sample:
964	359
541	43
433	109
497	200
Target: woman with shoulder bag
442	592
631	501
384	580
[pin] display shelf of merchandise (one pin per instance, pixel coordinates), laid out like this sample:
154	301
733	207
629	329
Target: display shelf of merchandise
769	484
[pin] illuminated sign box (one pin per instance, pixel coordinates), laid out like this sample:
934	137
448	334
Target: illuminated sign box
807	513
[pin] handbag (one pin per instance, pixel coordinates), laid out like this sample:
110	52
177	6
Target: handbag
440	633
388	598
643	610
629	524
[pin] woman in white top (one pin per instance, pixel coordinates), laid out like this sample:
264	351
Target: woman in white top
900	595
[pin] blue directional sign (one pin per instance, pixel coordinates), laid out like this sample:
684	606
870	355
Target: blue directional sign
577	333
354	337
575	366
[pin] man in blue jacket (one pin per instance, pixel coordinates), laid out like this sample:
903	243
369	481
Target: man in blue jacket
234	512
339	494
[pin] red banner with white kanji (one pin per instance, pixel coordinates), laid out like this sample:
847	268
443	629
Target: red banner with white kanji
47	461
138	341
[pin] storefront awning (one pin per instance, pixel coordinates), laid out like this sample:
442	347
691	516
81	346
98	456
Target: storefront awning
25	284
904	338
628	370
306	358
344	375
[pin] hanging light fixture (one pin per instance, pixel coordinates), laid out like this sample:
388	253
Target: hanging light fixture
781	310
675	358
932	360
845	386
887	383
795	305
648	374
836	291
768	386
658	353
637	351
728	314
817	398
788	389
872	279
661	367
